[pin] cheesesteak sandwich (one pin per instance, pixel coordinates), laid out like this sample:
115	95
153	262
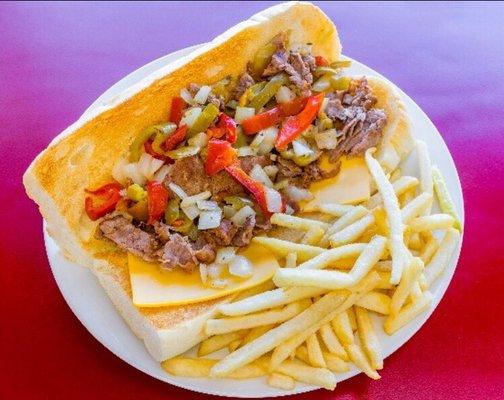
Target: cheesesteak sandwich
161	192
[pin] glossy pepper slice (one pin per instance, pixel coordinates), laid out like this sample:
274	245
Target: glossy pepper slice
178	106
175	138
321	61
157	199
254	187
108	195
220	155
225	126
204	120
273	116
295	125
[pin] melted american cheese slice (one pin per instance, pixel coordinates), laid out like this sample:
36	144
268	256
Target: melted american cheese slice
153	287
350	186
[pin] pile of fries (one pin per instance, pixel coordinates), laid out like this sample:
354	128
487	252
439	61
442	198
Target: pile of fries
314	319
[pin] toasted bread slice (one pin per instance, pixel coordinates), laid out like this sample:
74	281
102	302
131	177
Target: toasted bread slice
84	154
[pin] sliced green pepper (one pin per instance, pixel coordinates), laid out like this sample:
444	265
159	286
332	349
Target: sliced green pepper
162	132
262	58
341	64
183	152
341	83
241	139
324	70
322	84
221	88
185	227
136	146
204	120
139	211
268	92
237	202
251	92
300	160
136	192
172	211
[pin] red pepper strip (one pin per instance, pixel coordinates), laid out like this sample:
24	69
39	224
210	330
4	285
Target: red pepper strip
110	196
220	155
157	199
178	106
273	116
176	138
224	126
293	126
255	188
149	150
321	61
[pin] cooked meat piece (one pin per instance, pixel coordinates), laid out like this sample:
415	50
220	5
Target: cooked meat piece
193	88
178	253
204	252
244	234
130	238
162	231
222	235
189	174
370	134
244	82
299	68
248	162
311	173
222	185
217	101
287	169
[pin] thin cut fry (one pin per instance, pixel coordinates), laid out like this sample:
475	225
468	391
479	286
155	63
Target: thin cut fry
225	325
384	282
350	217
368	338
200	368
281	381
336	210
438	263
283	247
352	319
395	322
352	231
359	359
410	276
431	222
313	235
343	328
416	207
375	301
315	352
333	362
331	342
290	221
234	345
399	187
217	342
321	377
424	164
444	198
400	256
269	299
429	249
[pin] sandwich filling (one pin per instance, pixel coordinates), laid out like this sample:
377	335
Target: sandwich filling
233	153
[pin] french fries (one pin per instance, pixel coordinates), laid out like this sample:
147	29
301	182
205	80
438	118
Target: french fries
291	260
399	252
283	247
431	222
290	221
313	235
348	218
336	210
368	338
424	164
343	328
301	372
225	325
315	355
331	342
443	254
444	198
400	186
201	367
333	362
359	359
410	276
375	301
352	231
281	381
416	207
217	342
395	322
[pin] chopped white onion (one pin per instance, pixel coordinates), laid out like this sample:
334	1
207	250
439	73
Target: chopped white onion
219	283
243	113
132	172
246	151
225	255
228	211
203	270
118	171
257	140
241	267
199	140
322	108
177	190
209	219
327	139
190	200
148	165
284	95
215	270
190	116
184	93
289	210
271	170
268	142
202	95
162	172
258	174
207	205
191	211
297	194
241	216
301	148
273	200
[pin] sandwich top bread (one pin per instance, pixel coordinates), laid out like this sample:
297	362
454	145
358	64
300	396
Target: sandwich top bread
160	191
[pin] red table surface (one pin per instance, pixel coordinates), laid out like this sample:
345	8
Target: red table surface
56	58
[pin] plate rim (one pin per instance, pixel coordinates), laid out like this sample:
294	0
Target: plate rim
114	90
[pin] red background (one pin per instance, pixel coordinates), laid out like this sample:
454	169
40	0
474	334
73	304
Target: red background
56	58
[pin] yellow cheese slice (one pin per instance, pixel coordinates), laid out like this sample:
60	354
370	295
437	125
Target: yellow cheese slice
153	287
350	186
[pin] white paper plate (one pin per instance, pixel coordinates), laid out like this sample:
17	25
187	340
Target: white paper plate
91	305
